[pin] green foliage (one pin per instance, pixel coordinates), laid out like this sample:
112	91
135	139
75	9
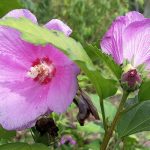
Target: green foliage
6	135
89	19
144	93
38	138
38	35
91	128
135	120
132	143
94	53
8	5
131	102
23	146
110	109
94	145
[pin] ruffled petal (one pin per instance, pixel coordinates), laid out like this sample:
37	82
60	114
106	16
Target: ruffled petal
112	41
56	24
63	88
136	42
17	13
20	106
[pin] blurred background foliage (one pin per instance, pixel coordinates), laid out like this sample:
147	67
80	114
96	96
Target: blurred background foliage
6	6
89	20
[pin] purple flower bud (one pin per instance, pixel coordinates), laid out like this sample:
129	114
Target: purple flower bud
131	80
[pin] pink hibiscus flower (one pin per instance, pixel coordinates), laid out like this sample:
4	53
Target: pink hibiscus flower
128	38
34	80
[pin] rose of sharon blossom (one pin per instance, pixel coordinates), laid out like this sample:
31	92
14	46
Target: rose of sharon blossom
34	80
128	38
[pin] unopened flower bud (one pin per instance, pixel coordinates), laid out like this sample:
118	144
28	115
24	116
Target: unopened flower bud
130	79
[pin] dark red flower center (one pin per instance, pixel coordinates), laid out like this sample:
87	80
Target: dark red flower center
42	70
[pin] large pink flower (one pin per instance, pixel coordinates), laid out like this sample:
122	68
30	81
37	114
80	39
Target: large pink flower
128	38
34	80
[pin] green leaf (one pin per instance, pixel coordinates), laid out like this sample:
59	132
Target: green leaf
135	120
23	146
90	128
38	138
110	109
94	145
94	53
131	143
74	50
104	87
144	93
7	135
8	5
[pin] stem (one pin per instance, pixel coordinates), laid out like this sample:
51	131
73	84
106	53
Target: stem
108	134
103	114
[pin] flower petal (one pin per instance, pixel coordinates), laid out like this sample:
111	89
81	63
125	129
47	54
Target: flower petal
17	13
55	55
133	16
20	106
136	42
112	41
11	69
12	45
63	88
56	24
